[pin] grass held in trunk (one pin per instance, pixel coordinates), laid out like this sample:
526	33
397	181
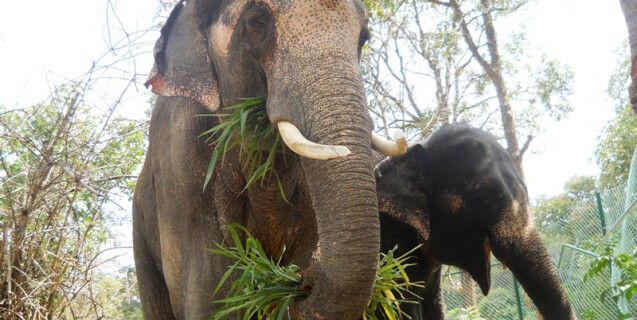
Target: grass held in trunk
247	125
265	289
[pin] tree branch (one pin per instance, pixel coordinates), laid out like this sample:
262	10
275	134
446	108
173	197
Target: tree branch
529	138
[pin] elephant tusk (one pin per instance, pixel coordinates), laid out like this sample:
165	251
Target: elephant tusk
305	148
388	148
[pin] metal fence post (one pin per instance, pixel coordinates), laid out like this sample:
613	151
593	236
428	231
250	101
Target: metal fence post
517	297
601	212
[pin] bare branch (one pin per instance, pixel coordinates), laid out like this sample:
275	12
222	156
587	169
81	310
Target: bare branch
529	138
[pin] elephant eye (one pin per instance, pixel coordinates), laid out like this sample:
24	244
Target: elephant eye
255	19
364	36
257	23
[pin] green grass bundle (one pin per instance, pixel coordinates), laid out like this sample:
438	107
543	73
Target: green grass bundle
247	125
265	289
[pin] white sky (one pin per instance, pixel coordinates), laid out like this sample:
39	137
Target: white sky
61	38
585	34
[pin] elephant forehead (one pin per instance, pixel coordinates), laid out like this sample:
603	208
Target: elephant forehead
453	201
308	28
303	26
221	32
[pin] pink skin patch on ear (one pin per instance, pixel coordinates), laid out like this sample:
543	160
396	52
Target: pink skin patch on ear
157	83
206	96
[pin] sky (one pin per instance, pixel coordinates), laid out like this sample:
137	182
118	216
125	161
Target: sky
42	43
585	34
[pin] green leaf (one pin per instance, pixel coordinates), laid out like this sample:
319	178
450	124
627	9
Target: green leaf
211	166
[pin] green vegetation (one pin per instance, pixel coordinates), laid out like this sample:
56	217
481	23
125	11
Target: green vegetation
499	304
61	166
626	263
617	141
265	289
471	313
247	125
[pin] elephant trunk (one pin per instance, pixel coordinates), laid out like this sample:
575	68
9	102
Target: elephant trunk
344	200
343	193
524	253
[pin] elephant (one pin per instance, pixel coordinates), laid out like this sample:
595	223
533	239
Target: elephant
303	56
459	195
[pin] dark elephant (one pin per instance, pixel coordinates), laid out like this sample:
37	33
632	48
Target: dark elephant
303	55
459	195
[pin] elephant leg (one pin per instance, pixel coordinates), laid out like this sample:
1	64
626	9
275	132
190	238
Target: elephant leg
433	306
150	279
152	287
429	305
429	301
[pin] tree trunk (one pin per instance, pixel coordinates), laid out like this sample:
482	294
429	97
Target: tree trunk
629	7
492	66
468	290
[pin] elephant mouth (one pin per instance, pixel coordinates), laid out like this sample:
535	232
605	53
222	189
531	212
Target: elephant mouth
481	272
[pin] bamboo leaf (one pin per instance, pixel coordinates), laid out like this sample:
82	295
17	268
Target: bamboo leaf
247	125
264	289
211	166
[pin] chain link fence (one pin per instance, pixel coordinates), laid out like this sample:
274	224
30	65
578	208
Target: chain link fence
573	244
506	299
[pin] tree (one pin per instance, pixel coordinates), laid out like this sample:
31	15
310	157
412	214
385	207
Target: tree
625	265
617	141
629	8
453	46
554	216
61	166
556	209
499	304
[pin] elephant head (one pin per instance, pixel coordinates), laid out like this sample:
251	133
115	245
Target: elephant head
303	55
460	193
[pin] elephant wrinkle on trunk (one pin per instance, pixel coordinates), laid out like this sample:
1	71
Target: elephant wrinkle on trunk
303	56
458	194
344	200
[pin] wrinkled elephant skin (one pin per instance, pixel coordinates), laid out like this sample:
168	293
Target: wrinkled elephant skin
458	194
303	55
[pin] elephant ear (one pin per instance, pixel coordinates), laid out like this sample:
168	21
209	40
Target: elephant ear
402	193
182	63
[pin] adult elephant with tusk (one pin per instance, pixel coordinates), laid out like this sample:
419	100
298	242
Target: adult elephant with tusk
459	195
303	56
